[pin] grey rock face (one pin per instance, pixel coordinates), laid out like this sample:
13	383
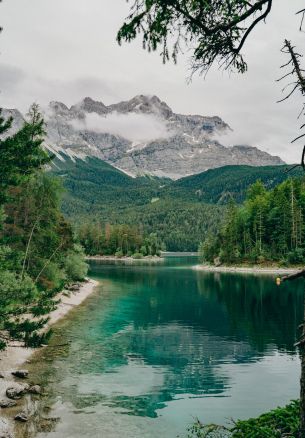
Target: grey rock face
7	403
89	105
190	145
143	104
17	391
36	389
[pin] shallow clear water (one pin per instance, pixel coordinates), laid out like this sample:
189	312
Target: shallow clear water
157	346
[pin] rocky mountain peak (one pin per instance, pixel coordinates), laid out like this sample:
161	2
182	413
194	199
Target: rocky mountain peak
58	107
143	104
89	105
173	145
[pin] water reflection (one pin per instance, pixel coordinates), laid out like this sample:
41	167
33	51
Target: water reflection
161	337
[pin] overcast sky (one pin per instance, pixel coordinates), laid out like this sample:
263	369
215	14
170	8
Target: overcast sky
66	50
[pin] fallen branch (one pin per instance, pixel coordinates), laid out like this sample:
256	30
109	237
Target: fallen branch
294	276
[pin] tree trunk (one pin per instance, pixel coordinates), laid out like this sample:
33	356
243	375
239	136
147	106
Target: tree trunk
28	247
301	344
302	381
302	401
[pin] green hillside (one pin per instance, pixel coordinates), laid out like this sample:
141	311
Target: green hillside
94	184
221	184
182	212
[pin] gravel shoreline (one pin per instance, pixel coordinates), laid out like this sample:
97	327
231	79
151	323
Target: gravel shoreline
17	355
247	270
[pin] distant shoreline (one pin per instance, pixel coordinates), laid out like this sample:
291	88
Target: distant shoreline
126	259
247	269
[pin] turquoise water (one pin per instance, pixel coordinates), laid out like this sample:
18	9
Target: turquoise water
160	345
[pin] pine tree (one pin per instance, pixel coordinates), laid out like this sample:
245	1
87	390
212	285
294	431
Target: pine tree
21	153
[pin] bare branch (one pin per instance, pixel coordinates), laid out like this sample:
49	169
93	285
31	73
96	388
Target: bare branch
299	274
297	68
215	31
298	138
255	22
290	94
285	76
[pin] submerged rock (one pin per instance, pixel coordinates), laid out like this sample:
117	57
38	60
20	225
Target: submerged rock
47	425
6	435
22	416
22	374
7	404
35	389
17	391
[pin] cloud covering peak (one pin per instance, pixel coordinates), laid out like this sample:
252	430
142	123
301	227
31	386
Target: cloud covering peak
135	127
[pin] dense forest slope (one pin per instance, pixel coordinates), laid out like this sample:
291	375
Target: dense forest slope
182	211
218	186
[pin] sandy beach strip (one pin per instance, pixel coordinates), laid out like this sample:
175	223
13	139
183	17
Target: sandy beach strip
16	355
272	270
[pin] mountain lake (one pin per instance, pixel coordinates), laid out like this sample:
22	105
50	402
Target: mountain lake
158	346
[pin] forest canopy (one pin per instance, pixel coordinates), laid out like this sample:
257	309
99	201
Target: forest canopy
267	227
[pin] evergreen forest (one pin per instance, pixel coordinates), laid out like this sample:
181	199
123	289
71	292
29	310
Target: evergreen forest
39	254
267	227
182	213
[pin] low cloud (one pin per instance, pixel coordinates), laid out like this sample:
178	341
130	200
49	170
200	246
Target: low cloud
19	88
137	128
273	134
10	76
